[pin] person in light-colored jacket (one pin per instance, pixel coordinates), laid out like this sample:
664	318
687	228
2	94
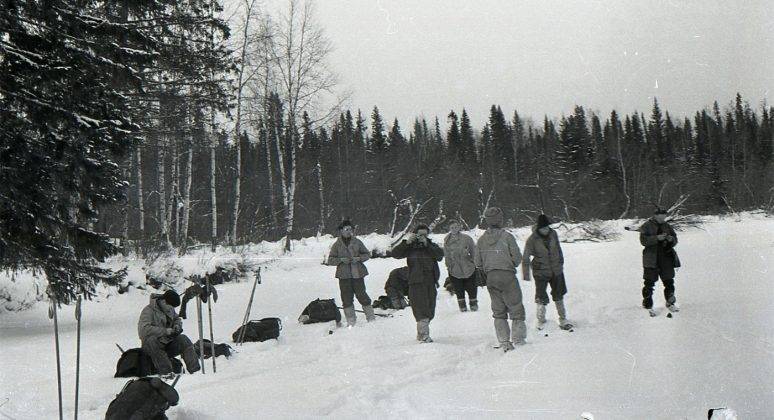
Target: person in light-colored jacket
547	267
348	254
160	331
460	251
498	255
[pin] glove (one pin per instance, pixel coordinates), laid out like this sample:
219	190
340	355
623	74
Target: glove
670	238
411	237
170	331
661	237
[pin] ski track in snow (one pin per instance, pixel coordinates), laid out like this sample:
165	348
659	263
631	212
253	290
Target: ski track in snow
619	362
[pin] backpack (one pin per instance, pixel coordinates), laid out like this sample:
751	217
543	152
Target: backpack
383	302
135	362
320	310
221	349
143	398
260	330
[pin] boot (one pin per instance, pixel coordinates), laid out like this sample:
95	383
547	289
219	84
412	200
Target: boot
502	331
519	332
563	322
541	316
463	305
474	305
349	313
423	331
369	313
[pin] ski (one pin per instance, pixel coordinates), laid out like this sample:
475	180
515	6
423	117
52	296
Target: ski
567	327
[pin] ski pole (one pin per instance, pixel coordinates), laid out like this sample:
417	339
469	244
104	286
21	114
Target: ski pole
212	336
246	319
201	331
52	314
381	315
77	353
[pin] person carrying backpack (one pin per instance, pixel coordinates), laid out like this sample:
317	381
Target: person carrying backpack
161	333
348	254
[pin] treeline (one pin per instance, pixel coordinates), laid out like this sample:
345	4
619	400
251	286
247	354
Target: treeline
577	167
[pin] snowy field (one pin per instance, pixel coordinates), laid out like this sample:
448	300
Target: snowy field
618	364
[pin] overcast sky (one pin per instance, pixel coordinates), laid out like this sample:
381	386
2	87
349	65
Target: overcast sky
423	57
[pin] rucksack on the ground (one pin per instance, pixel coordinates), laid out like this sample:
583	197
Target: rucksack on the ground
221	349
258	330
143	398
320	310
384	302
135	362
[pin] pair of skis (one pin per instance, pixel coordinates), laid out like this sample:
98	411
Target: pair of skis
670	311
201	328
52	313
246	318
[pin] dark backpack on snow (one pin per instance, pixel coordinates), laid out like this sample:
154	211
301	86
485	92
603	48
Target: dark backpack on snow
221	349
143	398
135	362
320	310
258	330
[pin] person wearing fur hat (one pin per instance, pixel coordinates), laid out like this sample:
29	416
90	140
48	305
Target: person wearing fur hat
161	333
498	255
422	256
460	250
547	266
659	259
348	254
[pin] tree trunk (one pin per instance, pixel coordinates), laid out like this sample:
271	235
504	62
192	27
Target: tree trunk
213	197
321	191
237	182
186	199
270	177
162	193
623	177
173	193
283	179
140	200
125	211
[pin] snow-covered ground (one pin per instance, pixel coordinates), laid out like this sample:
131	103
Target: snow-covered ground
619	363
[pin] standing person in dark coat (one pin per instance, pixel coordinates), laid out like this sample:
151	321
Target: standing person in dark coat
498	255
160	331
422	257
347	255
659	259
397	287
459	251
548	269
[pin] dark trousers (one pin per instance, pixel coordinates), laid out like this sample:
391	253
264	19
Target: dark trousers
351	288
465	285
651	276
558	288
422	297
160	350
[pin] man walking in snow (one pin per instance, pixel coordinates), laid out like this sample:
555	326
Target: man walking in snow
397	287
659	259
422	257
348	254
160	331
460	250
498	255
547	266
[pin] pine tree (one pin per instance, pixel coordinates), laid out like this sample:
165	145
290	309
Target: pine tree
453	139
468	140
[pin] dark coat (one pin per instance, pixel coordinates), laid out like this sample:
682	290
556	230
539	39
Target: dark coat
547	261
422	261
648	238
352	270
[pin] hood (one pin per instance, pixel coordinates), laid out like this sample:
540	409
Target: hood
155	297
491	236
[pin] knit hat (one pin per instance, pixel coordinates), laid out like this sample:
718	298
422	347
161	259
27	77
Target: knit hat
172	298
660	210
543	221
345	222
494	217
420	227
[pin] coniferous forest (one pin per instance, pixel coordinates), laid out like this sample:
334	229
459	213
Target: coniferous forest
156	125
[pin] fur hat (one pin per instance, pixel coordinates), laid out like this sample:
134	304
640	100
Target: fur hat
344	223
543	221
172	298
660	210
494	217
420	227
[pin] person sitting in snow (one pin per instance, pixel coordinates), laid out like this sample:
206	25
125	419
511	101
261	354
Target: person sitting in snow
397	287
422	256
547	264
161	333
460	250
498	255
348	254
659	259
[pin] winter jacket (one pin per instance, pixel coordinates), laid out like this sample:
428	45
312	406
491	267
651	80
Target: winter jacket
648	238
497	250
422	261
460	253
397	282
547	261
154	320
352	270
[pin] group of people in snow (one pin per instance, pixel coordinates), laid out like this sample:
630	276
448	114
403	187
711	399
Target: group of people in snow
492	261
